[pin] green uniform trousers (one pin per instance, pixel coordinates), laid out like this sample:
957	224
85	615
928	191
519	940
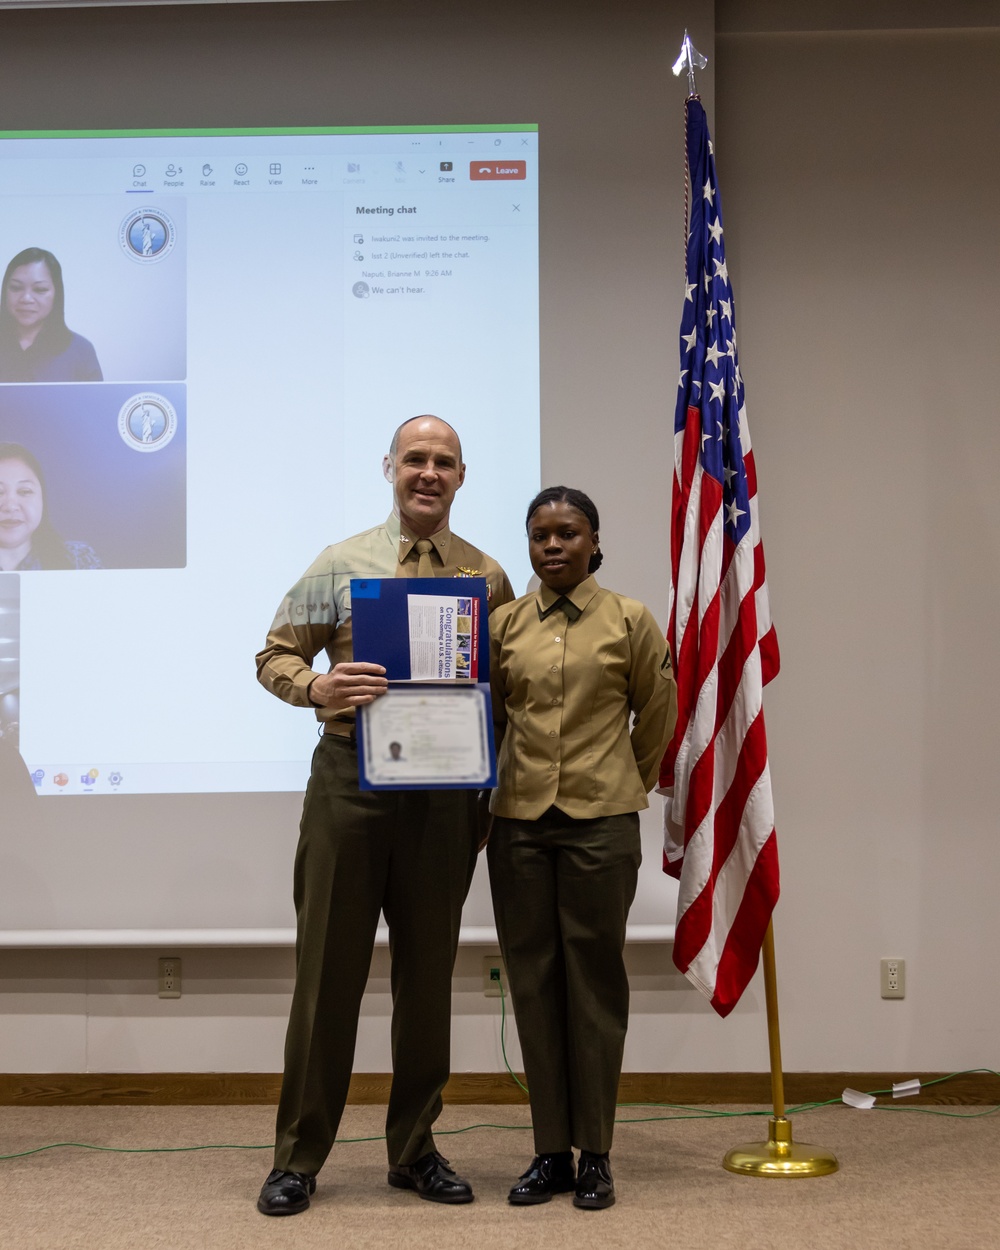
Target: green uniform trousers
562	890
409	854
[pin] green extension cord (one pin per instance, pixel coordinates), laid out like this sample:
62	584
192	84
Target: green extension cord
687	1113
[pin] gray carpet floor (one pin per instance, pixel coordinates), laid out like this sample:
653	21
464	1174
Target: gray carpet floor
906	1180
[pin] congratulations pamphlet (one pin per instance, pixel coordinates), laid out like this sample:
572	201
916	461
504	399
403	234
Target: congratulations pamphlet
422	628
444	637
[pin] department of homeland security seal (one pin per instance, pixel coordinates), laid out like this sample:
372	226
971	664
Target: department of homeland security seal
147	235
147	422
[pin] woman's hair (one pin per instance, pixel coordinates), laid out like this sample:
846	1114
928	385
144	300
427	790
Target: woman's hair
46	544
576	499
54	326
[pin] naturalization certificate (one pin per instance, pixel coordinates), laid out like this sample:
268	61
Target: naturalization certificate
427	737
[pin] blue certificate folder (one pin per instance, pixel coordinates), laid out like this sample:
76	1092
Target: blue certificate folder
381	635
381	622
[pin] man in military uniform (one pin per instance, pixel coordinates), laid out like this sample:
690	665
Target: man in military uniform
409	854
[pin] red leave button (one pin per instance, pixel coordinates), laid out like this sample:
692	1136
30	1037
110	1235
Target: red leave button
491	171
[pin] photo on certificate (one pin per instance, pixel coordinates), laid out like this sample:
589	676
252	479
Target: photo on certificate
427	738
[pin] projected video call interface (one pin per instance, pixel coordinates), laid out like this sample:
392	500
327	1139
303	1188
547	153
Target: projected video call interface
206	341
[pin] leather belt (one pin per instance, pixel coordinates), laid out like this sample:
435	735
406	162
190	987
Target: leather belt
340	729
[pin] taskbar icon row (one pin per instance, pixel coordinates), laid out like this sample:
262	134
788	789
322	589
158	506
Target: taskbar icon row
137	777
78	780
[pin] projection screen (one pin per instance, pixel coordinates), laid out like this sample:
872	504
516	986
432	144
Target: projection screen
147	660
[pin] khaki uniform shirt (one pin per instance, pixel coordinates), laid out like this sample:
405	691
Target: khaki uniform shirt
315	615
563	693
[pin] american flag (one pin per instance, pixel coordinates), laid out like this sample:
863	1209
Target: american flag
718	812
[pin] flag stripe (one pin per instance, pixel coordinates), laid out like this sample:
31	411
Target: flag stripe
739	956
734	851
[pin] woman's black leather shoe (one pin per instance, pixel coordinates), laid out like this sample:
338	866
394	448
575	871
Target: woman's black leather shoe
547	1175
595	1189
286	1193
432	1178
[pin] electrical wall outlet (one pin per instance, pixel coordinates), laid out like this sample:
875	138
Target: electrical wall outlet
170	977
494	976
893	978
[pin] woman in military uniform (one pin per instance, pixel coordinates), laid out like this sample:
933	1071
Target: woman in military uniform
572	665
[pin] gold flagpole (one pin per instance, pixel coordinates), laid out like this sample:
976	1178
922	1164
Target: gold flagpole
779	1155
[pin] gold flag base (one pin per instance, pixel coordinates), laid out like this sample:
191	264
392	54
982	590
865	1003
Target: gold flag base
779	1156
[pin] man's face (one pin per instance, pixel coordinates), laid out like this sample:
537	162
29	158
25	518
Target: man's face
425	474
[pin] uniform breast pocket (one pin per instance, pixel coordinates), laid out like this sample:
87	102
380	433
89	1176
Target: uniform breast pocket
608	662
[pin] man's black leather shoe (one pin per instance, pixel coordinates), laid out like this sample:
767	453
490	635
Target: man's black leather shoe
546	1175
432	1178
595	1189
286	1193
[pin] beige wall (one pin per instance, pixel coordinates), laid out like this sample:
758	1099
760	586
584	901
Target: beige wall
863	191
860	185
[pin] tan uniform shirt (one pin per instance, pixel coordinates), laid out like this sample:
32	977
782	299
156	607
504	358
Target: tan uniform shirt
315	615
563	692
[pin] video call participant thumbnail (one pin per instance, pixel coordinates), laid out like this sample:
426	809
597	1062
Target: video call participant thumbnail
35	343
27	538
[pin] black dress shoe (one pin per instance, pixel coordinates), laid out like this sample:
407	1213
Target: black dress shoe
546	1175
432	1178
286	1193
595	1189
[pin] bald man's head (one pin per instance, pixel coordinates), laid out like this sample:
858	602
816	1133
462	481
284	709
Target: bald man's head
427	416
425	468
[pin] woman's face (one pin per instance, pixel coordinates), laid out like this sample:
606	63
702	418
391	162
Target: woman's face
30	294
560	544
21	503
